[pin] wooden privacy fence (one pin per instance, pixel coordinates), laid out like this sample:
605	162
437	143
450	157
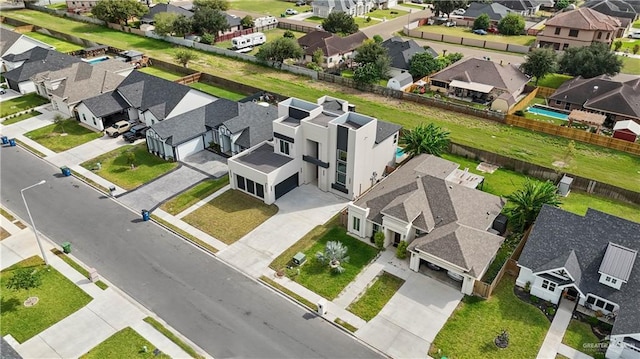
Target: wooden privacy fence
524	102
545	92
189	79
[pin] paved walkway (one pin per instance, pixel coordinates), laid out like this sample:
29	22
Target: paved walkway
571	353
552	341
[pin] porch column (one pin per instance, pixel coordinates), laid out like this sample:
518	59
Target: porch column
414	262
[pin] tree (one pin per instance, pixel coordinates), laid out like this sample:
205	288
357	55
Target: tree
339	22
118	11
279	50
423	64
58	120
511	24
635	49
524	204
335	253
182	26
447	6
164	23
131	158
617	45
429	139
561	4
401	250
289	34
378	39
366	74
184	56
209	20
454	57
590	61
539	63
247	22
317	56
25	278
371	52
222	5
482	22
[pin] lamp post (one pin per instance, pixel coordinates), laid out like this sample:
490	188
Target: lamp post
33	224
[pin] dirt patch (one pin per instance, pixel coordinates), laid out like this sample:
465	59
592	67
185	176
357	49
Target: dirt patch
4	234
560	164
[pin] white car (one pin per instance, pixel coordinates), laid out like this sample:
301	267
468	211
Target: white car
634	35
291	12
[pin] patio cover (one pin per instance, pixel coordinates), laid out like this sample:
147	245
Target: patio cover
474	86
590	118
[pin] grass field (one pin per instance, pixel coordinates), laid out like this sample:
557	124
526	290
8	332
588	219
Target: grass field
271	36
554	80
267	7
126	343
601	164
60	45
20	104
630	66
196	193
64	136
525	40
628	44
217	91
161	73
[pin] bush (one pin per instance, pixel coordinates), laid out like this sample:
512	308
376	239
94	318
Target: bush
289	34
368	19
519	113
534	299
378	238
527	287
593	321
401	251
207	38
551	311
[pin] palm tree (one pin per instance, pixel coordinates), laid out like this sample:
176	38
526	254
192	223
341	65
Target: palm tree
524	204
335	253
429	139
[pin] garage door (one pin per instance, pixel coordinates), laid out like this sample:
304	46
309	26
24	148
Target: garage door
189	148
287	185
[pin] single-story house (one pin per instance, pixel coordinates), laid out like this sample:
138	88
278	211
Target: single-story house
626	130
625	11
482	81
619	101
12	42
32	62
148	18
494	10
335	49
521	7
68	86
401	51
400	82
431	204
323	143
589	260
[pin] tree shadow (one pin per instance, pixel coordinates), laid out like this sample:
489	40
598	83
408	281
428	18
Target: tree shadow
9	305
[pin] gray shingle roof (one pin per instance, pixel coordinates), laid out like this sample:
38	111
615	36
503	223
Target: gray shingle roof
181	128
495	11
507	77
401	51
385	129
38	60
7	39
165	8
557	232
255	122
106	104
148	92
624	11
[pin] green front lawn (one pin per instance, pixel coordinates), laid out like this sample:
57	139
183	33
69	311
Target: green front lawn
553	80
19	118
162	73
117	169
60	45
126	343
59	138
630	66
360	21
58	6
217	91
579	336
627	44
21	103
524	40
58	298
197	193
231	216
473	326
637	24
388	14
376	296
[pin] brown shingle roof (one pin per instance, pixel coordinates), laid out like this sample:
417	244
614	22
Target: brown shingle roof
506	77
585	19
329	43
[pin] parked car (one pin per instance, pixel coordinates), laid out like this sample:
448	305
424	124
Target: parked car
291	12
135	132
480	31
301	3
433	266
417	1
458	11
493	30
450	24
455	276
634	35
118	128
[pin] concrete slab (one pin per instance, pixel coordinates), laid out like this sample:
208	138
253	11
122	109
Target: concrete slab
209	162
36	347
116	311
559	325
18	247
87	151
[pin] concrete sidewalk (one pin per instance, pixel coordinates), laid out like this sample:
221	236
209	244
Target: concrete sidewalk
552	341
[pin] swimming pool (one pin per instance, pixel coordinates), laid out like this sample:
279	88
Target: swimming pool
548	111
399	152
95	60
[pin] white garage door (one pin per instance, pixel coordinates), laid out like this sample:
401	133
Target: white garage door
189	148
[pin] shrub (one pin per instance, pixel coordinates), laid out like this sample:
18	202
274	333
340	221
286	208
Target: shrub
289	34
401	251
368	19
593	321
519	113
551	311
617	45
534	299
207	38
378	238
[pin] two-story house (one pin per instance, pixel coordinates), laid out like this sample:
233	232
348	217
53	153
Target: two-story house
579	27
336	50
324	143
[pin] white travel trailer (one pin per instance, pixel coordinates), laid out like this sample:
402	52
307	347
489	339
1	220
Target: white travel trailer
249	40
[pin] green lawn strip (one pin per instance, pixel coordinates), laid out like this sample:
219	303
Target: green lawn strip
473	326
30	149
58	298
126	343
289	293
80	269
579	336
19	118
578	202
116	167
90	182
230	216
628	44
174	338
162	73
346	325
553	80
58	6
217	91
630	66
598	163
196	193
376	296
184	234
60	138
60	45
21	103
387	13
524	40
7	215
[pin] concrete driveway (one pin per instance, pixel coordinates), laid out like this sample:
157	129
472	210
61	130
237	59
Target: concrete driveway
209	162
299	211
410	321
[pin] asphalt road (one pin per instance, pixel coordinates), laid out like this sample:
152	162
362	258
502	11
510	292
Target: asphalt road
216	307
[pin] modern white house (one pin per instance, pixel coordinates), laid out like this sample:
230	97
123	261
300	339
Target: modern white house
323	8
436	208
16	43
589	260
324	143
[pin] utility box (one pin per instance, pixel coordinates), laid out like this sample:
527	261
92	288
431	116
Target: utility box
322	307
299	259
564	187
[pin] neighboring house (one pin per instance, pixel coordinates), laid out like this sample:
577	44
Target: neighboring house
32	62
401	52
67	87
148	18
579	27
79	6
335	49
400	82
494	10
619	101
322	8
626	130
521	7
481	81
323	143
625	11
590	260
232	126
142	97
15	43
431	204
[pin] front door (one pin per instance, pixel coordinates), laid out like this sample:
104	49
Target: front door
396	239
571	293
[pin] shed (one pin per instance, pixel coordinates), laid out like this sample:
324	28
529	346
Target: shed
628	130
400	82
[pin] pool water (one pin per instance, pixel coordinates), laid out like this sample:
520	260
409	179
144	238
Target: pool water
97	59
399	152
548	111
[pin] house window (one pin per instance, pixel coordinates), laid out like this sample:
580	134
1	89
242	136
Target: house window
250	186
591	300
565	46
240	182
550	286
84	118
284	147
94	122
573	33
395	138
341	168
557	32
356	224
614	281
599	35
607	279
558	102
376	228
259	190
419	232
608	34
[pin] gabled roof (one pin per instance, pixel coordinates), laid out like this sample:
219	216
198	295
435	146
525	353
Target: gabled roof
507	77
329	43
106	104
165	8
557	232
624	11
627	125
335	5
518	5
567	260
618	261
7	39
401	51
37	60
584	18
495	11
403	79
255	122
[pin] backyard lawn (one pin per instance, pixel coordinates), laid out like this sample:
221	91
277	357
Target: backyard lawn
579	336
376	296
601	164
126	343
58	298
388	14
117	168
553	80
217	91
267	7
60	45
525	40
63	136
22	117
630	66
231	216
21	103
196	193
162	73
471	329
271	36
